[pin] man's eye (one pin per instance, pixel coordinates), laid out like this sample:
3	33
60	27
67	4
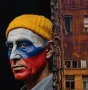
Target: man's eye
10	47
23	45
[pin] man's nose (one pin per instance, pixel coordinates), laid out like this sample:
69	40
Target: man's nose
15	54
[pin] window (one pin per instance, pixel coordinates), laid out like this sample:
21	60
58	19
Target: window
70	82
74	64
68	23
85	29
85	24
85	82
83	64
79	63
71	64
67	64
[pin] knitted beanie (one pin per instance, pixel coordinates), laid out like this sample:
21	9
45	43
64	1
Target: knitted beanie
36	23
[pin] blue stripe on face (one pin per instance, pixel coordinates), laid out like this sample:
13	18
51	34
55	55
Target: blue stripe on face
26	49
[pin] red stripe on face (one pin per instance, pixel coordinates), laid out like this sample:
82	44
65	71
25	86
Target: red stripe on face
28	66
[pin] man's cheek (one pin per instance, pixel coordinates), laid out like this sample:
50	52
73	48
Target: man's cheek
11	62
9	53
37	62
23	73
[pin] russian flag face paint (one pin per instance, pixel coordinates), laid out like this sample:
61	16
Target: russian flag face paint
26	52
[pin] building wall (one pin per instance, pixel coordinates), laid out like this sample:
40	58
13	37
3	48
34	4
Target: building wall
78	82
77	9
77	37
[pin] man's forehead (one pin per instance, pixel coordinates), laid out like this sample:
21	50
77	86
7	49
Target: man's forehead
23	33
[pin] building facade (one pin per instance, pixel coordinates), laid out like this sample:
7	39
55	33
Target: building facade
75	44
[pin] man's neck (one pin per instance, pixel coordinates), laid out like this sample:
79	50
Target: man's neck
34	80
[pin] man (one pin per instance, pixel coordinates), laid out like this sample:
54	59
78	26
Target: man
30	48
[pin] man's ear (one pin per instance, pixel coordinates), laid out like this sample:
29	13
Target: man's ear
49	49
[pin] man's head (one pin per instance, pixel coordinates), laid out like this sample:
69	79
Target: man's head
28	41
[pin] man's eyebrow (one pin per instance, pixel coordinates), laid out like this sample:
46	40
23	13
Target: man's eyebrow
23	40
19	40
8	42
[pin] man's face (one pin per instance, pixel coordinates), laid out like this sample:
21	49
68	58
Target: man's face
26	52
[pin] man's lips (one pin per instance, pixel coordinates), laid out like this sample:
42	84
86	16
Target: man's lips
16	67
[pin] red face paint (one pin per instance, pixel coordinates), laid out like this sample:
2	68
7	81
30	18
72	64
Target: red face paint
28	66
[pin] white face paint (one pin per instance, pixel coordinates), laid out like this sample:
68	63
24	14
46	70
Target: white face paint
26	57
22	33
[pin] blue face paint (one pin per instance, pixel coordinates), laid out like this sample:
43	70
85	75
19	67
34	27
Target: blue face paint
25	48
9	45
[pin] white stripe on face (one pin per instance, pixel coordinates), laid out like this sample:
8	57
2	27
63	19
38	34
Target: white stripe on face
22	33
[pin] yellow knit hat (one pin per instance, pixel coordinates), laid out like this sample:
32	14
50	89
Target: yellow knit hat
36	23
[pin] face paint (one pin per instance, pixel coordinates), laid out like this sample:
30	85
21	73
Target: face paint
27	67
26	52
24	48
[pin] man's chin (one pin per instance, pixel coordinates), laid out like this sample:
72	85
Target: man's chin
22	75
